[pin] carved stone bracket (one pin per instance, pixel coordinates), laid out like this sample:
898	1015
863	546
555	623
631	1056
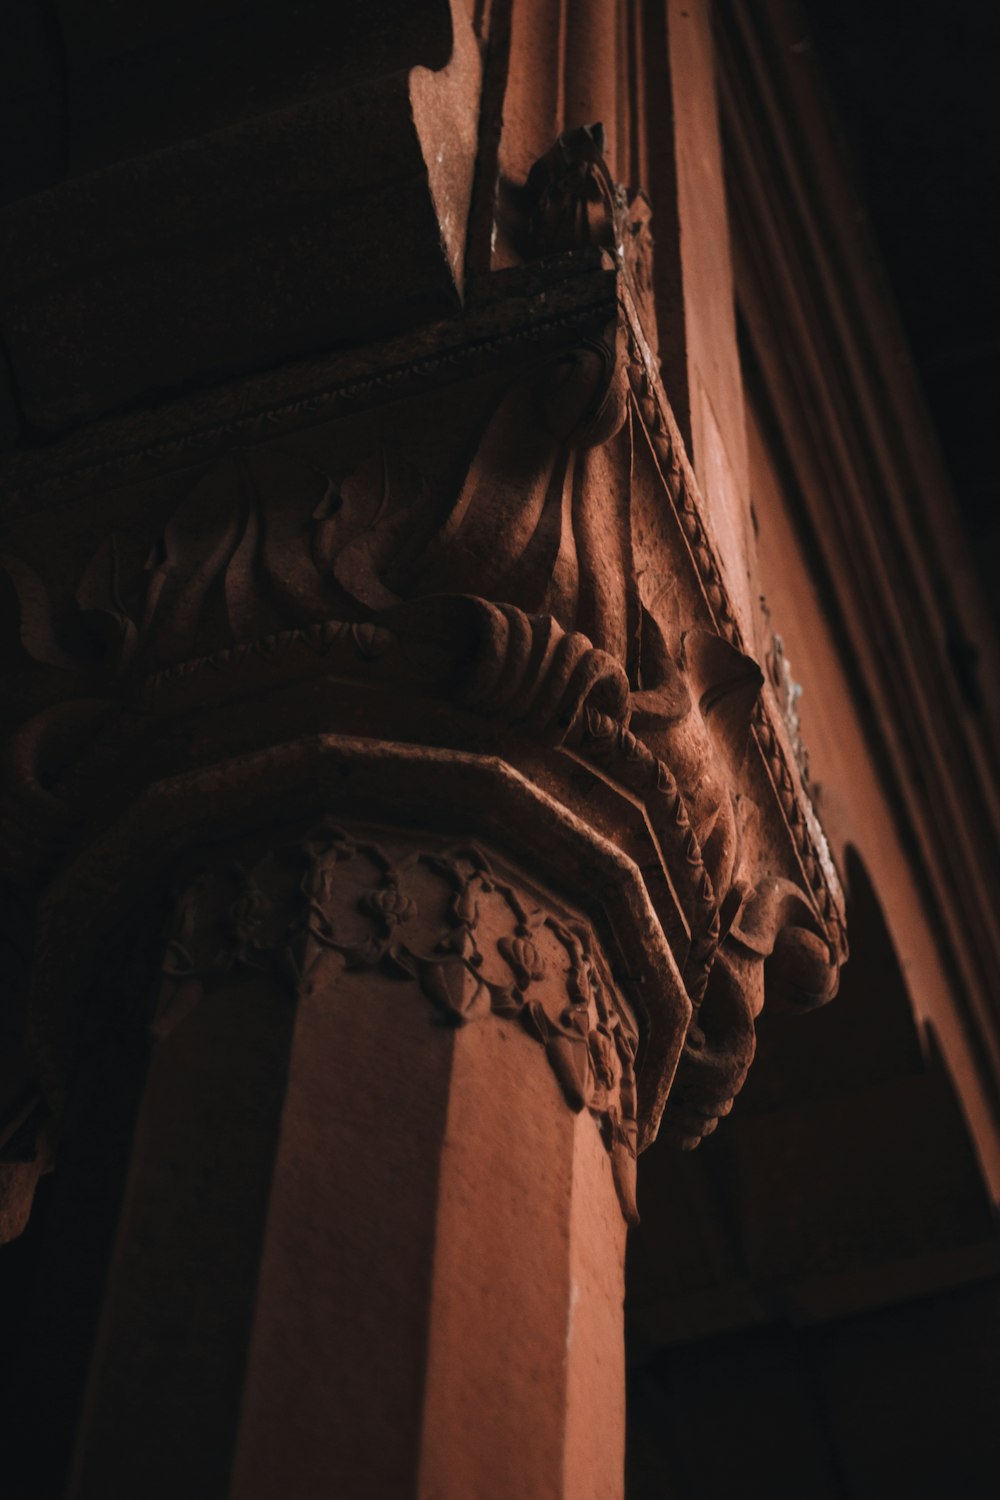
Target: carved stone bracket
514	568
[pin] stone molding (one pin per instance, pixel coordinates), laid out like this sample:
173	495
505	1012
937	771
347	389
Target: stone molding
175	823
875	503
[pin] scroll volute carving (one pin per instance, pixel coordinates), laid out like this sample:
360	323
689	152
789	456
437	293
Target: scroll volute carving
772	954
768	942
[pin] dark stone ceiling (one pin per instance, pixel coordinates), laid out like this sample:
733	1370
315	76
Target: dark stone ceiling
916	90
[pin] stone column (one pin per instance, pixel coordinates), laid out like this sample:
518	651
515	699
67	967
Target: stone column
371	1241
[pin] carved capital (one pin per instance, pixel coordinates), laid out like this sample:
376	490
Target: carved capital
511	564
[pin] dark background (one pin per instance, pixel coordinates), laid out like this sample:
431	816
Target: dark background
915	90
